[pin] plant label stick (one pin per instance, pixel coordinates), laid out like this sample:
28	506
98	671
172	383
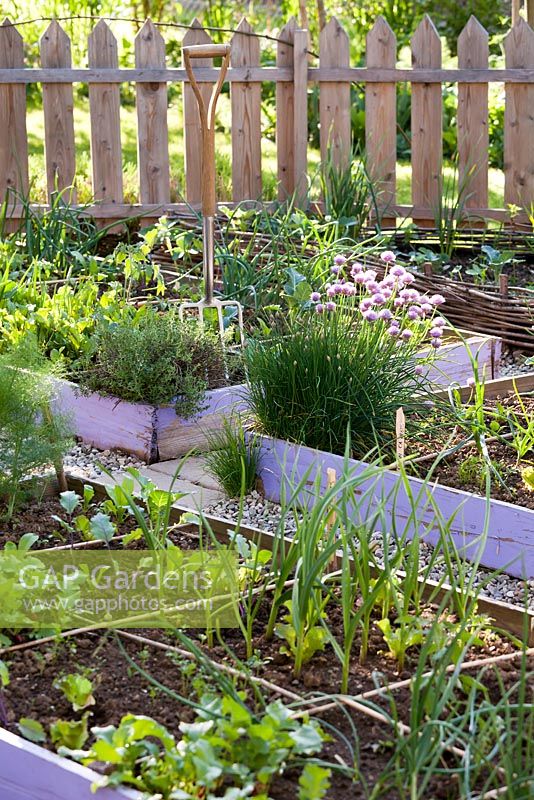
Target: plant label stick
331	479
400	433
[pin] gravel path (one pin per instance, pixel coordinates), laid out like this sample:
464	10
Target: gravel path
513	363
84	461
261	513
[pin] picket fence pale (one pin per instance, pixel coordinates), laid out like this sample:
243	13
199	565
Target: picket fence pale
293	74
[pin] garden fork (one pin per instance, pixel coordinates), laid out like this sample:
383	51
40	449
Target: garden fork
209	203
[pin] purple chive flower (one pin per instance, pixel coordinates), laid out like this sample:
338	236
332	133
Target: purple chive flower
330	306
348	289
393	330
439	322
386	292
471	381
335	270
359	278
398	302
370	315
418	370
315	297
388	256
436	333
408	278
319	308
370	274
406	334
339	260
437	300
397	271
330	292
436	343
386	314
426	308
356	269
412	315
378	299
371	286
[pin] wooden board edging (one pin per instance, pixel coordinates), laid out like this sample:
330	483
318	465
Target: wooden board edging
29	772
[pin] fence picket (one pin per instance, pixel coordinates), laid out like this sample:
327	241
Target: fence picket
519	120
285	122
381	119
58	108
152	130
426	122
300	113
246	118
192	135
13	136
334	98
104	106
473	134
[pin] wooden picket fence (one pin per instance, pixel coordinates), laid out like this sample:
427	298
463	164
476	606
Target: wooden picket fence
293	73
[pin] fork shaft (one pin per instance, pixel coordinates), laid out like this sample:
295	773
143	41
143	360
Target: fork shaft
208	232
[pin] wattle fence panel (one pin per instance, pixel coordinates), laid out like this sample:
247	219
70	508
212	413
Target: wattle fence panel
296	70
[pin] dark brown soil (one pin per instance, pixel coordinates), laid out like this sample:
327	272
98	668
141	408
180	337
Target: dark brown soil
38	517
121	689
464	469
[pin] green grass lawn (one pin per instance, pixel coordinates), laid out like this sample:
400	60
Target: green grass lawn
35	126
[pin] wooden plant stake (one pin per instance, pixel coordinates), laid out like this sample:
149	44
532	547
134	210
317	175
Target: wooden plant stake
400	434
331	479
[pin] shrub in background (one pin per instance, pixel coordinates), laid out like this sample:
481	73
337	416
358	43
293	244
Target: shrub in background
31	436
349	363
155	358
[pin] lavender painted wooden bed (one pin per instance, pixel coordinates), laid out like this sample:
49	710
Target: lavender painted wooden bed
508	544
29	772
152	433
157	433
510	540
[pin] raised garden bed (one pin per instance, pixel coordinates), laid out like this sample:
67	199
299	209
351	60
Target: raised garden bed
152	433
157	433
508	545
31	772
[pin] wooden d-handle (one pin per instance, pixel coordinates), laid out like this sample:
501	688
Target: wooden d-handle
207	115
206	50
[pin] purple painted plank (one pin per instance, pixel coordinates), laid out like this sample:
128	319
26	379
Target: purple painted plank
510	539
29	772
107	422
218	401
454	366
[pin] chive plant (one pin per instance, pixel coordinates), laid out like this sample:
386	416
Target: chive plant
349	361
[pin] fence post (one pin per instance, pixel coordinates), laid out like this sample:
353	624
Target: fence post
334	98
246	118
284	114
152	127
192	134
104	107
519	119
473	137
426	124
58	106
300	114
381	119
13	136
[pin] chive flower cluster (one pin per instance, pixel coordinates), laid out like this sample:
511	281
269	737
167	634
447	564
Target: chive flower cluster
391	302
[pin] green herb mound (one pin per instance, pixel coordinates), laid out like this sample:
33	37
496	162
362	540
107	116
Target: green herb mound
157	359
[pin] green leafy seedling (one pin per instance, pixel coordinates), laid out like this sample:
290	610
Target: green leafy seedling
72	735
32	730
77	689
